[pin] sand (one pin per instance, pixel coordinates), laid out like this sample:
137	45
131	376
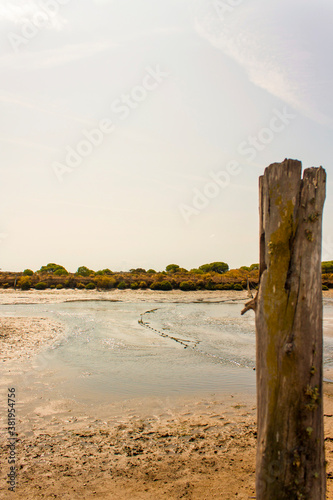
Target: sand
198	450
22	337
11	296
195	448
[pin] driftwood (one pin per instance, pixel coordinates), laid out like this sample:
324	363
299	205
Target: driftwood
288	311
249	293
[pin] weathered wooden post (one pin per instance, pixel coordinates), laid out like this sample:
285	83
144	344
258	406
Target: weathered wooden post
288	310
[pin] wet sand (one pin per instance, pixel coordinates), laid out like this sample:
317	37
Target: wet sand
196	448
22	337
192	449
11	296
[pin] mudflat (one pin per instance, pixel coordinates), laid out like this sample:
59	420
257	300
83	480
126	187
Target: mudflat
196	448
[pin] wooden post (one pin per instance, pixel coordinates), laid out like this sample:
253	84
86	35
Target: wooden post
288	310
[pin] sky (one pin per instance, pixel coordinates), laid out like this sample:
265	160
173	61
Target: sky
133	132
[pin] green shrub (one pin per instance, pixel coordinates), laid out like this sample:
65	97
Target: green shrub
60	272
122	285
227	286
59	286
41	285
6	285
217	267
143	284
172	268
135	285
28	272
210	285
324	287
52	286
84	271
54	268
237	286
327	267
105	283
187	285
79	286
151	271
69	283
90	286
102	272
196	271
24	283
161	285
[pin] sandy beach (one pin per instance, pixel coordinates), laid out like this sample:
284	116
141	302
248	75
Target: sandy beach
32	296
22	338
10	296
196	448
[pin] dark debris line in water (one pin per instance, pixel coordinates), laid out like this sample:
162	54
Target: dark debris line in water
186	343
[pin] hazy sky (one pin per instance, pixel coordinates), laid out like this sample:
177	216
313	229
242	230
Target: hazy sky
133	132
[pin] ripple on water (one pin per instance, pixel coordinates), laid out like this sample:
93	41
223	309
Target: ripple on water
176	349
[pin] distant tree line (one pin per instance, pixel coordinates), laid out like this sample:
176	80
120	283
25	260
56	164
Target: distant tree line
212	276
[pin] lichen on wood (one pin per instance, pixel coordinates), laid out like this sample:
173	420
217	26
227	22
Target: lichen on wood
288	310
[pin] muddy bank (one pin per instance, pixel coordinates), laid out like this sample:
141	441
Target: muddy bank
201	449
57	296
196	448
23	337
10	296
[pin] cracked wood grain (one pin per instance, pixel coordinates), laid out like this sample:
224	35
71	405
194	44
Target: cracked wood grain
288	311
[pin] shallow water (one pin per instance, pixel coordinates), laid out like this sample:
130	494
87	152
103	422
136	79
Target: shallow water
114	350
